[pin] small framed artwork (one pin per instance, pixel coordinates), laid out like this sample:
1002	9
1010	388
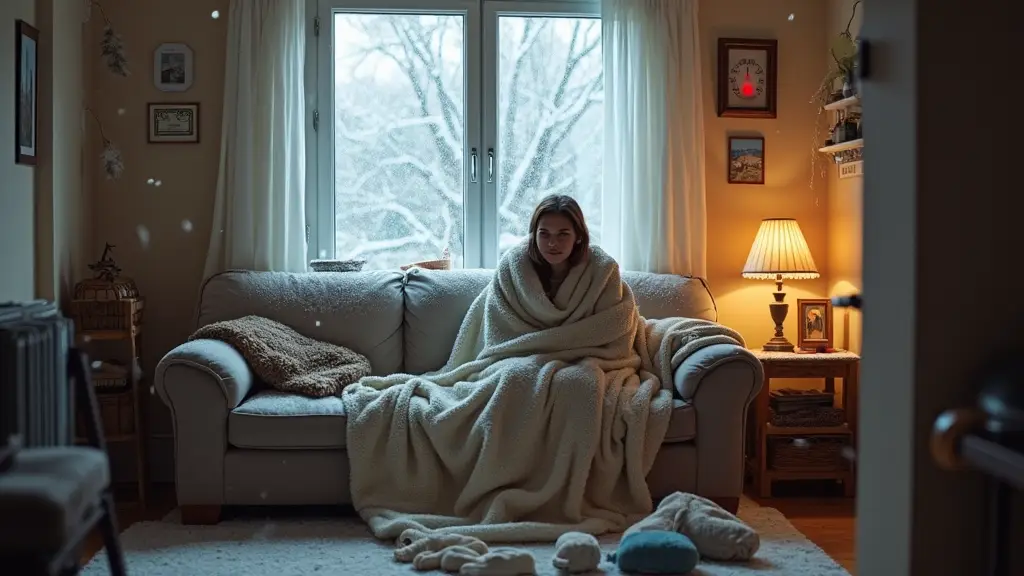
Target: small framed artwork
851	169
172	67
173	123
26	93
815	329
746	160
747	77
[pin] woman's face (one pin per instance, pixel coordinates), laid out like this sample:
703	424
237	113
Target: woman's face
555	238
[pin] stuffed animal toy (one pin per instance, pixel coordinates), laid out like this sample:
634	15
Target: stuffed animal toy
577	552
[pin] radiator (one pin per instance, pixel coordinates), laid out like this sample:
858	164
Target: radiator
36	398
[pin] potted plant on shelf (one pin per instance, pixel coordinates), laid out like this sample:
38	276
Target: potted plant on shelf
844	52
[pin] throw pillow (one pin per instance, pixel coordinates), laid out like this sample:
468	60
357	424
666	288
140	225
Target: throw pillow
656	552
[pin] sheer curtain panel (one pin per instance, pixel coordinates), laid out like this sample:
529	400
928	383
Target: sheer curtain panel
259	212
654	201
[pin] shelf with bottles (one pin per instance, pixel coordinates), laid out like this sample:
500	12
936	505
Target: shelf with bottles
846	136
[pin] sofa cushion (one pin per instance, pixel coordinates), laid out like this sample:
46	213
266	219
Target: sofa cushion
362	311
436	301
277	420
671	296
274	419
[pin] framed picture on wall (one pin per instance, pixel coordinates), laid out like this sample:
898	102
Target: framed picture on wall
173	67
814	331
26	93
173	123
746	160
747	77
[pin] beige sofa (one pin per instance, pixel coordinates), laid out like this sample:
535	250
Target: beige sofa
239	443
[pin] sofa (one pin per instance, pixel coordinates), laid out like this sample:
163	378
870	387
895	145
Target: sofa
238	442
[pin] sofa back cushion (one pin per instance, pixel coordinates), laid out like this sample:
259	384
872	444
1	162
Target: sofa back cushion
436	301
362	311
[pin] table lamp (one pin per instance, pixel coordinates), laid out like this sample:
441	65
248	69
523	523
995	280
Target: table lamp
779	253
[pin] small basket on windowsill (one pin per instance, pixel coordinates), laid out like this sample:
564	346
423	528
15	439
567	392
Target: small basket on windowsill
430	265
443	263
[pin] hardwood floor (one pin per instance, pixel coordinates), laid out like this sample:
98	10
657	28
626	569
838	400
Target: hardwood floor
826	520
819	511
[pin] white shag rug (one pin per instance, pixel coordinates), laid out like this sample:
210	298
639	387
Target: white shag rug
290	547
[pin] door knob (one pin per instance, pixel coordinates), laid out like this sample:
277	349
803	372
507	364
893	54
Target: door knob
997	417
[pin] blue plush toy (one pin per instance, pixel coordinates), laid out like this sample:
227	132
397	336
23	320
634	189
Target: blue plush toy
655	552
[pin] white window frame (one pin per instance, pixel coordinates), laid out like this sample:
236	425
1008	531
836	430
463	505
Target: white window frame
480	214
493	10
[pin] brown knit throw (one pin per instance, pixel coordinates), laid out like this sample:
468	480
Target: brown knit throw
287	360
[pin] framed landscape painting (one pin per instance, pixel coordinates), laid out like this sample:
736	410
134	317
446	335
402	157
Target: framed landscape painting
746	160
26	87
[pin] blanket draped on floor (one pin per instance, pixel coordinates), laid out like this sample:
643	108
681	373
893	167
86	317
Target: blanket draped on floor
546	418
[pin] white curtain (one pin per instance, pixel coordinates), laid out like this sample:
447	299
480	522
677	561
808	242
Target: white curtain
654	216
259	214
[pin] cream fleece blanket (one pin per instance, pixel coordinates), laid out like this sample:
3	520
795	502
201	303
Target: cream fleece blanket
545	419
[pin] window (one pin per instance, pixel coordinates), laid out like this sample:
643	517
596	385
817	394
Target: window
441	124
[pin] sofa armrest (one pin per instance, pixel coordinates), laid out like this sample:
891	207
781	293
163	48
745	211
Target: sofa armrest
219	362
201	382
721	381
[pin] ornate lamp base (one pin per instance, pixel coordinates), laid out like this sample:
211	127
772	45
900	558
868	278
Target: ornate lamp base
779	309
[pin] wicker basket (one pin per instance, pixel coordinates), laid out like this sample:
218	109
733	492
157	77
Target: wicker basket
815	453
809	417
116	413
430	265
107	314
110	377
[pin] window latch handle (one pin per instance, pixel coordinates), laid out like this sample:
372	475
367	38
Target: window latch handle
472	165
490	165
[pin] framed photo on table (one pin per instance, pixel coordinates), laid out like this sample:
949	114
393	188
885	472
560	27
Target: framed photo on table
173	123
747	77
814	333
26	93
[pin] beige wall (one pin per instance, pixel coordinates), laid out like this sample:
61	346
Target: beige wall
735	211
845	210
62	211
43	209
17	264
145	222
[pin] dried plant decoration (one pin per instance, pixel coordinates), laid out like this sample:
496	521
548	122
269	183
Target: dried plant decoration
113	164
844	56
111	45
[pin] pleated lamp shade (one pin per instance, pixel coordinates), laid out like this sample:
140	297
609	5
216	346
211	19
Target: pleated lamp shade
780	249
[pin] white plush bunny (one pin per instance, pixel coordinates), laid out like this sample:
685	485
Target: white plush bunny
500	562
577	552
412	542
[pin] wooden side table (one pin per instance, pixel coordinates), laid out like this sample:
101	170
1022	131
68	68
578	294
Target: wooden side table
842	364
119	427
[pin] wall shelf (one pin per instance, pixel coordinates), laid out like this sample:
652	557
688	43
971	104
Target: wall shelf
848	155
844	103
842	146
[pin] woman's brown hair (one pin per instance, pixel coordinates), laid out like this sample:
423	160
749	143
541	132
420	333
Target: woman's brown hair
568	207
